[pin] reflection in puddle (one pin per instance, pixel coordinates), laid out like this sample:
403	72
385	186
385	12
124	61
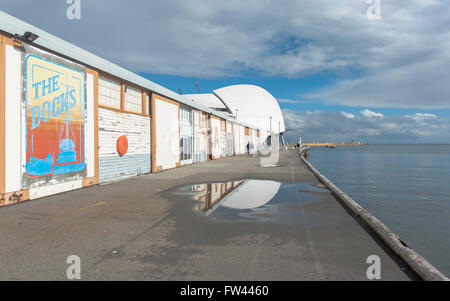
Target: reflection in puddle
256	200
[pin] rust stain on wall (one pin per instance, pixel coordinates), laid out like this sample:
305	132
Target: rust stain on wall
11	198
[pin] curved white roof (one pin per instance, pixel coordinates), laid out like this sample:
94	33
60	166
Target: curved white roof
252	194
208	100
255	106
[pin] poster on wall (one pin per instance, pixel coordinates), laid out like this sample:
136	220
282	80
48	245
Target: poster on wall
55	104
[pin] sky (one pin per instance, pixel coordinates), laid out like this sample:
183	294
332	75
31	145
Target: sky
336	73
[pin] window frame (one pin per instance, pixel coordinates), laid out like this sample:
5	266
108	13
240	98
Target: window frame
101	78
145	95
140	96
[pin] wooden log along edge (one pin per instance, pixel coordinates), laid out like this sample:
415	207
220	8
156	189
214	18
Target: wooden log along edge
419	264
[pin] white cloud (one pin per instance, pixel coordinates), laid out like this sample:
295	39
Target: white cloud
293	101
336	127
282	100
348	115
402	60
422	115
371	114
426	115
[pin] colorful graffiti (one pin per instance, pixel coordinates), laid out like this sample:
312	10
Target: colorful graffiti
54	118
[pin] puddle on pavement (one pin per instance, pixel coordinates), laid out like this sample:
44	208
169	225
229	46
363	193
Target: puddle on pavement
256	200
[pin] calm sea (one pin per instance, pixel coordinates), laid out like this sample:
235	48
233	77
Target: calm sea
407	187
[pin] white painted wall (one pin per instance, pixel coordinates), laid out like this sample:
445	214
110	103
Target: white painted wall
13	109
230	147
89	129
254	138
216	138
167	137
200	137
243	140
237	144
229	126
112	124
248	138
137	160
44	191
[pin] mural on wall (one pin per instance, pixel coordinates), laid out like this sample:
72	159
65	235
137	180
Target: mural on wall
55	97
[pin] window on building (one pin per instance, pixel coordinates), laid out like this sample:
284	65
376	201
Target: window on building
147	104
223	125
203	120
186	148
247	131
185	115
133	100
196	118
109	92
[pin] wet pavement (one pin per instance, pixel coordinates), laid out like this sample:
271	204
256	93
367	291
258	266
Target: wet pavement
227	219
259	200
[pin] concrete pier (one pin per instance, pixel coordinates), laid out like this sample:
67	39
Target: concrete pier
142	229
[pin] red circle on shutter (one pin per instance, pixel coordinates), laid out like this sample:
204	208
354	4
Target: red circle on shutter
122	145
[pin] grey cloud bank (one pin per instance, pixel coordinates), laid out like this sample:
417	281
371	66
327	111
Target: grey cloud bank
401	60
342	126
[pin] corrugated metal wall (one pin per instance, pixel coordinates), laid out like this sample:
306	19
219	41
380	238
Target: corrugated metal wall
137	160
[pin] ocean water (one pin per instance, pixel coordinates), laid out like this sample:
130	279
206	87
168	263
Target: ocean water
407	187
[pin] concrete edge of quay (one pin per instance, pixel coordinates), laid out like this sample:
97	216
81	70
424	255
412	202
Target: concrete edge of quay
418	264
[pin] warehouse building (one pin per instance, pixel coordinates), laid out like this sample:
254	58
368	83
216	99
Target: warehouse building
248	104
70	119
